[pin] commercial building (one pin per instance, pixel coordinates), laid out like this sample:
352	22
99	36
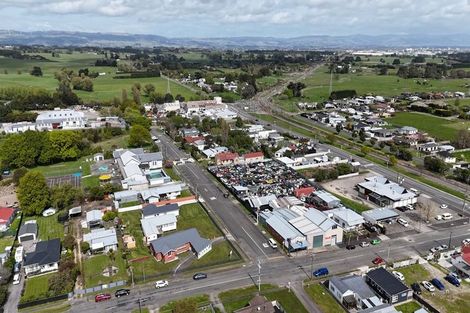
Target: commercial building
375	216
346	218
61	119
385	193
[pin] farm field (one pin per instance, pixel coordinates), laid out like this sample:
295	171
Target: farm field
438	127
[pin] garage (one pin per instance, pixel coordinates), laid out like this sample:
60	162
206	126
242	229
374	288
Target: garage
28	231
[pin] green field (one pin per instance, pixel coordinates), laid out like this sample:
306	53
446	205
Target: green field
323	299
5	242
200	300
36	288
317	89
464	155
414	273
438	127
48	227
194	216
105	87
65	168
219	254
94	265
409	307
238	298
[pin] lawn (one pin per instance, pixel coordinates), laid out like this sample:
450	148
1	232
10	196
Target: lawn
194	216
90	181
94	265
452	302
200	300
144	310
172	173
438	127
113	143
48	227
409	307
238	298
414	273
322	298
5	242
219	254
356	206
464	155
65	168
36	288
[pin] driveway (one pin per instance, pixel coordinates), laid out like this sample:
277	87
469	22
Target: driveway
14	297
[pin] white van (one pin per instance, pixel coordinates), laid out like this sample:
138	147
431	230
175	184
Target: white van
16	279
447	216
272	243
403	222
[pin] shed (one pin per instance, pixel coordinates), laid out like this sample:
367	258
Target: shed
75	212
97	157
380	214
28	231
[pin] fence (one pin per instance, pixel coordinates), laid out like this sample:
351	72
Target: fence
44	300
100	287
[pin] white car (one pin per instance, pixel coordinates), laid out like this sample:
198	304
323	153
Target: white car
364	244
429	287
410	207
447	216
443	247
16	279
444	206
438	217
466	241
403	222
398	275
161	283
49	212
434	249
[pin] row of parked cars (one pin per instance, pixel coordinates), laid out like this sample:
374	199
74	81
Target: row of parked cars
434	283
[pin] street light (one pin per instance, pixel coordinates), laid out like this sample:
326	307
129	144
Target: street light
311	266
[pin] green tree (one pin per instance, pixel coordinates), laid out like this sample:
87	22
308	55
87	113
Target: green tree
148	89
404	154
392	160
18	174
84	246
36	71
365	150
69	242
64	196
435	165
139	136
109	216
33	193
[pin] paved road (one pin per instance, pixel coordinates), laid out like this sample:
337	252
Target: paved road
248	236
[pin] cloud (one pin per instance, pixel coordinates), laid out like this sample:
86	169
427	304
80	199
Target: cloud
257	16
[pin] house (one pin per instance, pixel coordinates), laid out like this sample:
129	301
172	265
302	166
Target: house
446	148
462	262
446	156
101	240
225	158
429	147
189	132
155	226
152	210
304	192
167	248
94	218
407	130
253	157
6	218
318	228
28	231
97	157
15	128
259	304
353	292
212	152
346	218
45	258
390	288
383	134
60	119
151	195
385	193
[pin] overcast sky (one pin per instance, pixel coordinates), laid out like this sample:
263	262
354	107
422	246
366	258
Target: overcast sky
222	18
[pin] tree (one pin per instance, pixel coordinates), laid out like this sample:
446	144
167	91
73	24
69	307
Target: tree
109	216
156	97
239	122
248	91
69	242
365	150
64	196
362	135
18	174
168	98
331	138
296	88
339	128
148	89
383	70
33	193
84	246
65	96
392	160
435	165
404	154
139	136
462	140
36	71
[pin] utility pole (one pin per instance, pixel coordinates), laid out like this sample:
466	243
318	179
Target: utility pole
450	239
311	266
259	275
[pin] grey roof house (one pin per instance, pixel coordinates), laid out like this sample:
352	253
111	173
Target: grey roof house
388	286
353	292
94	218
152	210
28	231
45	258
101	240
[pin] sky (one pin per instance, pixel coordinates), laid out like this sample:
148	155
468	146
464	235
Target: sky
231	18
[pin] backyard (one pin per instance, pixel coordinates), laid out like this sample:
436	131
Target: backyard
48	227
66	168
222	252
409	307
414	273
194	216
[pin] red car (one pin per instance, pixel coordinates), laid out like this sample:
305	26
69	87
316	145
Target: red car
102	297
378	260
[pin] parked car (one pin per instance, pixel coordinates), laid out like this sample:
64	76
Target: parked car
161	283
122	292
439	285
416	288
49	212
447	216
16	279
321	272
378	260
444	206
17	267
434	249
375	241
102	297
398	275
198	276
402	222
410	207
466	241
272	243
451	279
428	286
456	276
364	244
443	247
438	217
350	247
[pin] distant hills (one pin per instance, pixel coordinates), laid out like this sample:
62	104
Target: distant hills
62	38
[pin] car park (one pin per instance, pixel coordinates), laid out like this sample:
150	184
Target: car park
438	284
102	297
161	283
375	241
122	292
416	288
272	243
364	244
378	260
402	222
398	275
350	247
320	272
428	286
199	276
454	281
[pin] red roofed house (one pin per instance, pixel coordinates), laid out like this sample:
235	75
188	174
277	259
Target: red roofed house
225	158
466	253
303	192
197	141
462	262
6	217
253	157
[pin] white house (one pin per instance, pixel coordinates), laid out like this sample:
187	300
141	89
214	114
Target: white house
15	128
155	226
346	218
61	119
45	258
353	291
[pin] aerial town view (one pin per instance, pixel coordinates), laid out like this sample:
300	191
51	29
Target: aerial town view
199	156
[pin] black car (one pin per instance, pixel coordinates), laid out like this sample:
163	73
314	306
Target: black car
122	292
198	276
416	288
350	247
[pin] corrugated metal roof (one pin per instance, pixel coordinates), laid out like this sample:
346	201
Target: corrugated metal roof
172	242
105	236
379	214
150	225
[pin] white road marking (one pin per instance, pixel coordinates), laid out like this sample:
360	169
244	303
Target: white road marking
254	242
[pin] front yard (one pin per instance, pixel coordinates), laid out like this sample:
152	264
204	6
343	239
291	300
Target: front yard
321	297
93	267
414	273
36	288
